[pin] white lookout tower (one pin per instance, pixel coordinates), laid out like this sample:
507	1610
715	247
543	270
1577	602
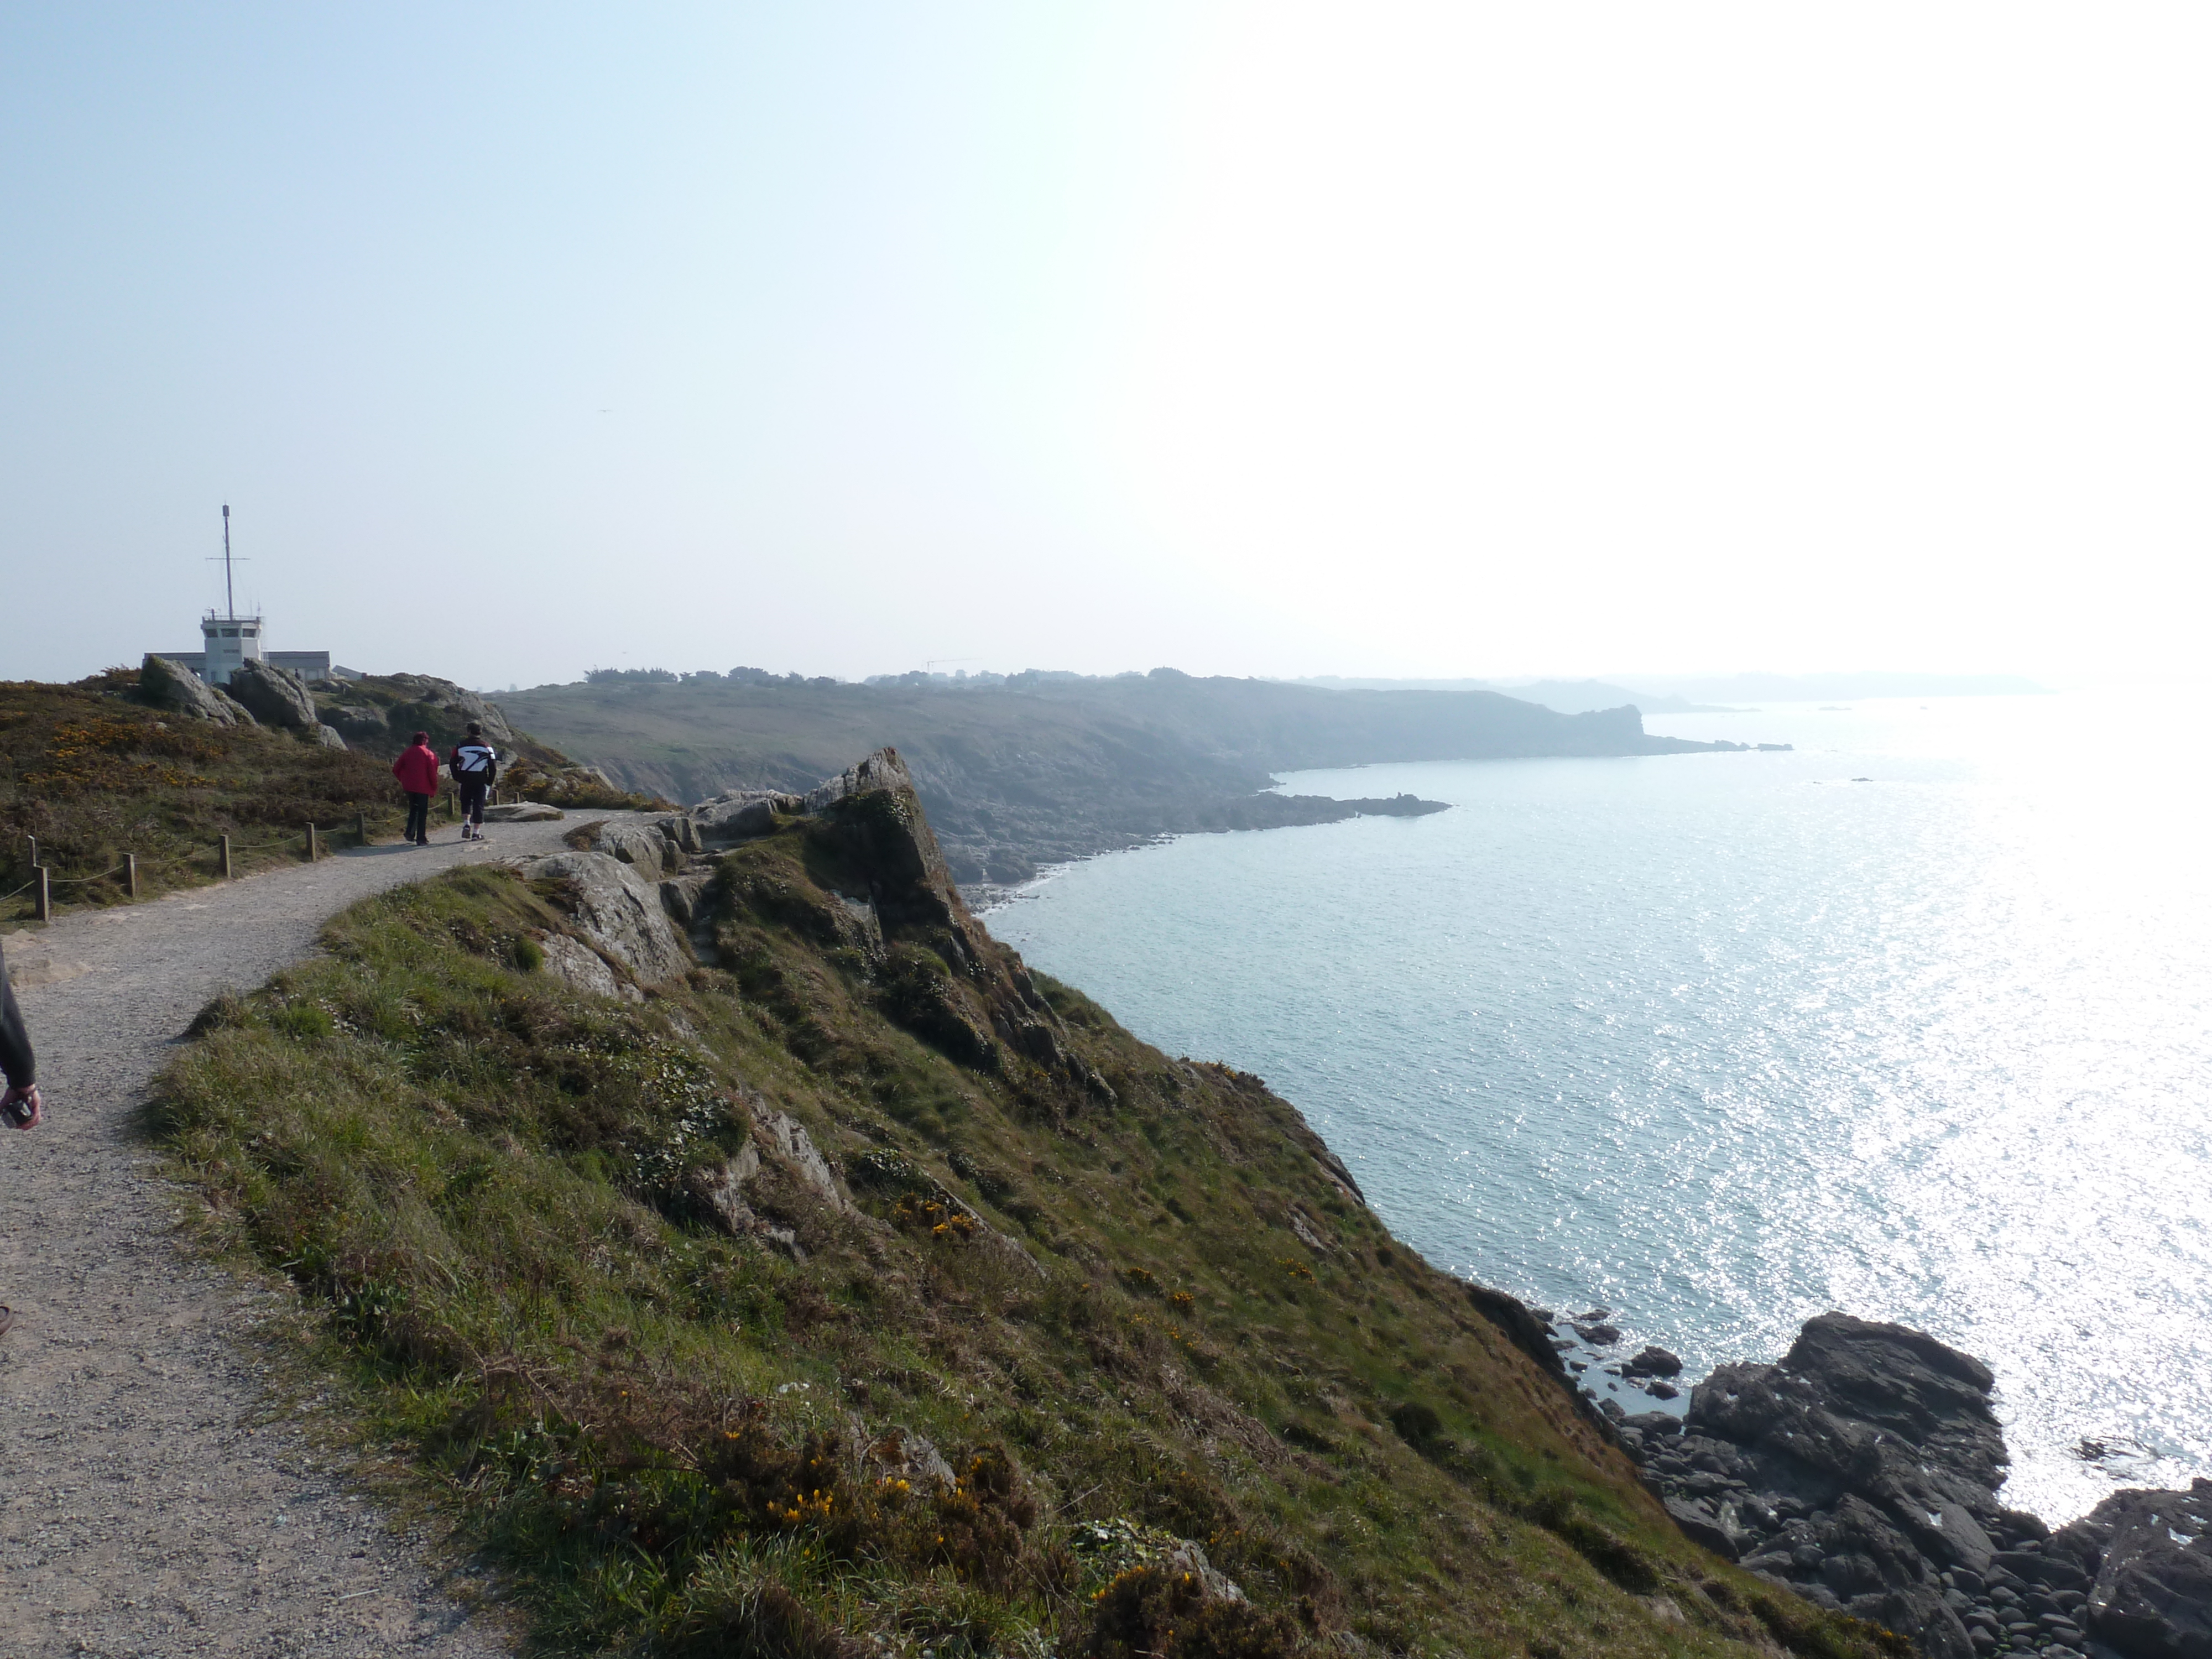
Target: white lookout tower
231	639
228	639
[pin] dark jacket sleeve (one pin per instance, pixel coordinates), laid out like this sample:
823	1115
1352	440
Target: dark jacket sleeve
15	1059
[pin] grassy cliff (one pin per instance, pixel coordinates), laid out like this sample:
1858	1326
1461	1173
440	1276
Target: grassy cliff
865	1292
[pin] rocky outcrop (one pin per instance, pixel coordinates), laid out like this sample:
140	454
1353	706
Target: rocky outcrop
739	814
621	915
2150	1553
165	684
443	707
329	737
276	697
577	964
358	722
778	1146
1862	1472
645	849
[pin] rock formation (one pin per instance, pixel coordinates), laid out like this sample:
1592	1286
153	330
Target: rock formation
619	913
276	697
165	684
1862	1472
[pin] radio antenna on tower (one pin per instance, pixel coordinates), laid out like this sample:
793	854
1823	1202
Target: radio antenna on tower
229	587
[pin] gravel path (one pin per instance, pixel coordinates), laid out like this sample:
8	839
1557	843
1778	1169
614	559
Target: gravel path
149	1502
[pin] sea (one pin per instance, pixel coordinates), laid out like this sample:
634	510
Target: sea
1913	1021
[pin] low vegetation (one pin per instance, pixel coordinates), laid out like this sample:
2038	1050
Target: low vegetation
91	775
1080	1328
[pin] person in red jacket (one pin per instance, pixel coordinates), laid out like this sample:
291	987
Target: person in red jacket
417	771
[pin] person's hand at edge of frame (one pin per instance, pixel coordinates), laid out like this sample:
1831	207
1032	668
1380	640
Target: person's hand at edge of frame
22	1108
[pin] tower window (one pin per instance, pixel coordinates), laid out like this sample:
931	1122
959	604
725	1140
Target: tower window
230	632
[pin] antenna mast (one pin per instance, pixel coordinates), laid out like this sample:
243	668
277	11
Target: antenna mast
229	594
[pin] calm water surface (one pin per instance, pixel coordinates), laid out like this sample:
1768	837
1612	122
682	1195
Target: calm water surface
1722	1041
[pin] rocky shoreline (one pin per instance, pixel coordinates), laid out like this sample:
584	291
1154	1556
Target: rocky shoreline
1861	1472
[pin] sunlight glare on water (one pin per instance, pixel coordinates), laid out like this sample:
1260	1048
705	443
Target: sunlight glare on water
1722	1041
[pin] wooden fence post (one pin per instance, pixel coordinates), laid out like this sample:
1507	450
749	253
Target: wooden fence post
130	874
225	856
45	901
311	843
361	828
33	840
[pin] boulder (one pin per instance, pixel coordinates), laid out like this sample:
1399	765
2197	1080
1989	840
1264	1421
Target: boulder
679	830
275	696
169	685
524	811
328	737
360	722
1653	1362
735	821
645	850
622	915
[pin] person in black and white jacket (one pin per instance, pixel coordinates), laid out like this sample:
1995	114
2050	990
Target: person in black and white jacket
475	767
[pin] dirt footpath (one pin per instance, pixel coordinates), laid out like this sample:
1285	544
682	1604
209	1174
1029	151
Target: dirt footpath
149	1504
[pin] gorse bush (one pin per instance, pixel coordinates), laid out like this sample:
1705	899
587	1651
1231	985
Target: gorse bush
1032	1374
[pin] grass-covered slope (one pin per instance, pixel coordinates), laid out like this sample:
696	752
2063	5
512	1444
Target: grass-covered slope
93	776
1131	1302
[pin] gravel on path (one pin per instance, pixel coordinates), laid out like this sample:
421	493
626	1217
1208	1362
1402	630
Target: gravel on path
149	1504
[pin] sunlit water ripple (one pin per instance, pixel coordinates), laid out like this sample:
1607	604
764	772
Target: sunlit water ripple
1719	1042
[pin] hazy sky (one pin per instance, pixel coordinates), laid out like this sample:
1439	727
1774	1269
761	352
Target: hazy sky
1361	339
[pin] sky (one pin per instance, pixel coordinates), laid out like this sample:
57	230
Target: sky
1278	339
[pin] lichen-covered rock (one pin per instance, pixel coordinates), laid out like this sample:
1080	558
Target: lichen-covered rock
170	685
622	915
328	737
275	696
577	964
